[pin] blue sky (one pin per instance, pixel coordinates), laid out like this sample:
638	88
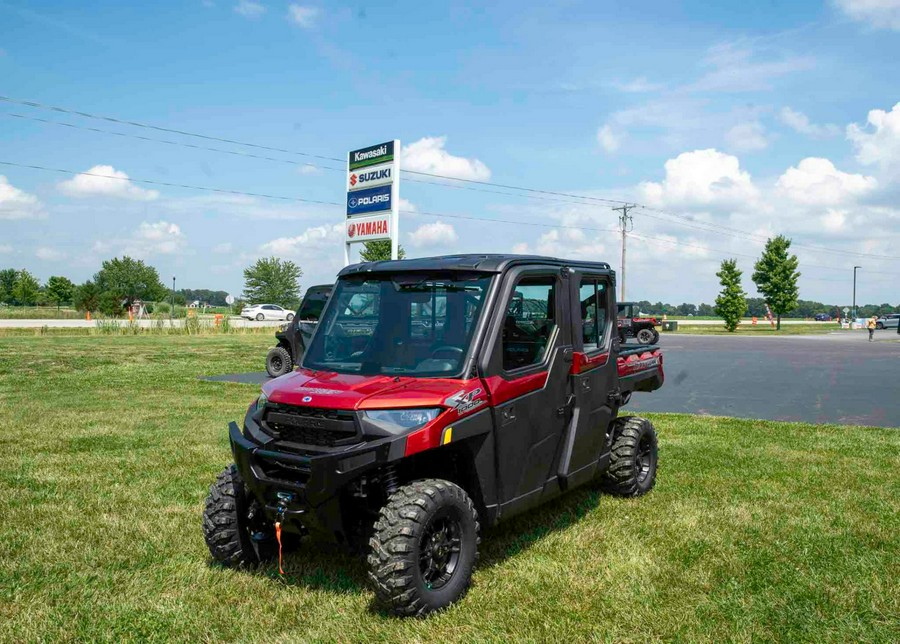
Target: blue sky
731	121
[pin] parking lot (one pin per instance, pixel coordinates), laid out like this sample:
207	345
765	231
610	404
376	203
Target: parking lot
840	378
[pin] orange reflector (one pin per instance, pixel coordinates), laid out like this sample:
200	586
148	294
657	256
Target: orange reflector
278	537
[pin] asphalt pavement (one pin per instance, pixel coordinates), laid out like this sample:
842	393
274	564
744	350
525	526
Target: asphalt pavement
840	378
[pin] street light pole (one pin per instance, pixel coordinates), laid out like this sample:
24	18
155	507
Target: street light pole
172	310
854	291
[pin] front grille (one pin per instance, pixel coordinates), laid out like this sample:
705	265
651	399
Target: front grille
310	425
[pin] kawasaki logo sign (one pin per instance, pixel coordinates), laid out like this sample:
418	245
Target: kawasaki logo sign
372	155
369	228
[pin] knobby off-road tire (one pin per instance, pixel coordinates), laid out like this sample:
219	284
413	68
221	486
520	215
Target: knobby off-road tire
278	361
645	336
424	548
655	337
633	457
226	527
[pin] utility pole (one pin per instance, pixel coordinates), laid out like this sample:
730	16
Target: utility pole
854	291
624	221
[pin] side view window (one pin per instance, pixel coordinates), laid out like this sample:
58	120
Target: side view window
592	297
530	322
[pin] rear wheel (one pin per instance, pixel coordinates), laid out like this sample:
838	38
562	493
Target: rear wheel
879	325
260	317
645	336
278	361
289	317
235	531
633	457
424	547
655	337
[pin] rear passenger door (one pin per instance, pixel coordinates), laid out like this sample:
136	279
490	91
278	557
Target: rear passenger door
528	383
593	377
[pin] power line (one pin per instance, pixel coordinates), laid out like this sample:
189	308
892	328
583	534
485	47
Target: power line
287	198
532	192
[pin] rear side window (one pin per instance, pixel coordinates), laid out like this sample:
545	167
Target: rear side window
530	322
312	306
592	300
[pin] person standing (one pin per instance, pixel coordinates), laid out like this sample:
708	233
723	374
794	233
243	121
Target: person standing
870	325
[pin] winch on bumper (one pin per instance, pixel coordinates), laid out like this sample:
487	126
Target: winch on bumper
303	482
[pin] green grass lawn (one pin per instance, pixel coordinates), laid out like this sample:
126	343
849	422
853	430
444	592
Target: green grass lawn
813	328
755	531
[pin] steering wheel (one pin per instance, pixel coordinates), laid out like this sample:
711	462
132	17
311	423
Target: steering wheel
456	350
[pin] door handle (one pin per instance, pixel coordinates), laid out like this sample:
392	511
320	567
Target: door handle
508	415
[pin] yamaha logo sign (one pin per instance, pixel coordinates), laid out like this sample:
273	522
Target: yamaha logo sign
369	228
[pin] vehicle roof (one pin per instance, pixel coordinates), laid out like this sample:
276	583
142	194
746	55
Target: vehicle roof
494	263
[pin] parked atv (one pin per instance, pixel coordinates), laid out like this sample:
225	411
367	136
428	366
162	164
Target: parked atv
632	324
294	336
438	397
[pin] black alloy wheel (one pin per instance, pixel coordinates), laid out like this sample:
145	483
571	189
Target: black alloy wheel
439	551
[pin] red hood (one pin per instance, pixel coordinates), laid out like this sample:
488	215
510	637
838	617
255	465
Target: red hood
347	391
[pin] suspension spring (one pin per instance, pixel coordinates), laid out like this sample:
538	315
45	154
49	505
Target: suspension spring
389	478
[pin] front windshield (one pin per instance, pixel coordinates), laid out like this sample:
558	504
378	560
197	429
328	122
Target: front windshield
410	323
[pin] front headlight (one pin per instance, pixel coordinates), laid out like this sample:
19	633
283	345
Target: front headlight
398	421
261	401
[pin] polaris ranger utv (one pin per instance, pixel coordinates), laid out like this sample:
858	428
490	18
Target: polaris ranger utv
294	336
437	397
634	325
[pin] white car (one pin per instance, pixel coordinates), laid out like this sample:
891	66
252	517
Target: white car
888	321
266	312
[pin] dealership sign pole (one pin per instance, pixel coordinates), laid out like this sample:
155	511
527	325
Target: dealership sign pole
373	196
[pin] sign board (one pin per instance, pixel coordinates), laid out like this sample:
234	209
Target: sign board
360	202
229	299
373	196
369	228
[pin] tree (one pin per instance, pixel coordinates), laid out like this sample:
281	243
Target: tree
775	275
129	279
732	301
686	309
87	297
272	281
26	288
59	290
7	284
374	251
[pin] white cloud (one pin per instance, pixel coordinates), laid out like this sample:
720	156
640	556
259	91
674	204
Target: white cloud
701	178
740	67
880	14
49	254
407	207
428	155
105	181
18	204
565	242
157	238
316	238
878	142
303	16
747	137
817	181
638	85
799	122
249	8
309	168
433	234
608	139
834	220
224	248
5	249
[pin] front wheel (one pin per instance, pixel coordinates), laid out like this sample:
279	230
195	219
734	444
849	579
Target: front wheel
289	317
235	532
424	548
278	361
645	336
879	325
633	457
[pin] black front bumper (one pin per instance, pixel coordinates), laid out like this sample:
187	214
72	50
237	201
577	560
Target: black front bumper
305	485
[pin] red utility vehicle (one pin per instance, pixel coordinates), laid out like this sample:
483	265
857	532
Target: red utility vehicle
633	324
436	398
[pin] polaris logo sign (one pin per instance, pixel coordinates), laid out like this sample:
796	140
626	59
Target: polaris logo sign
369	200
369	177
369	228
373	196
